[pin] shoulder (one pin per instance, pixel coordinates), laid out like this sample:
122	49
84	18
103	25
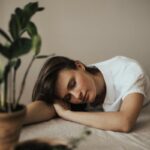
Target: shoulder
127	69
120	66
119	63
120	60
116	60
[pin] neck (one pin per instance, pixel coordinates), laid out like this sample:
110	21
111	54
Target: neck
101	88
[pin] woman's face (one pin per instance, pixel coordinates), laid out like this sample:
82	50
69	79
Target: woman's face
76	86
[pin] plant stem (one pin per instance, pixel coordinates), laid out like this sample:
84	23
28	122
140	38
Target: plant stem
14	87
24	79
5	88
2	95
9	90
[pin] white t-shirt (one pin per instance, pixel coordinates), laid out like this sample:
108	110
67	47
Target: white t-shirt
122	76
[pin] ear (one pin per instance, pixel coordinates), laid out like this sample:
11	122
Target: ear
79	65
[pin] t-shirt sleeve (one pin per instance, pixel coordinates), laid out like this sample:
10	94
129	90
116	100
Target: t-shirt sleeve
133	81
137	87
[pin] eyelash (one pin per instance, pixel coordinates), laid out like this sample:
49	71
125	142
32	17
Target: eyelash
71	86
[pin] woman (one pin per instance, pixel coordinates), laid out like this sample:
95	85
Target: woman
112	93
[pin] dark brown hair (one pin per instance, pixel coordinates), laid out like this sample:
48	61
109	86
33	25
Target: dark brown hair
44	88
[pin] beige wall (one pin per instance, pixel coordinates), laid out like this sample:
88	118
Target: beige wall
88	30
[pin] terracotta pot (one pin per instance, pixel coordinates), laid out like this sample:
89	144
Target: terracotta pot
10	127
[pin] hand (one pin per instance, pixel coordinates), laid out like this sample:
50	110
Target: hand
61	107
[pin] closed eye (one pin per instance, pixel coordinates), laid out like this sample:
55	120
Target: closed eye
72	83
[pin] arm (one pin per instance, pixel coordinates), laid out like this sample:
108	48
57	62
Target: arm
39	111
122	120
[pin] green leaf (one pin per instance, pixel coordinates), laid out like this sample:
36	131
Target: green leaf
31	29
40	8
14	26
31	8
4	34
44	56
41	56
21	18
20	47
5	51
36	44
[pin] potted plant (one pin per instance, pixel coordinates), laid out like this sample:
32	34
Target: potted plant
23	37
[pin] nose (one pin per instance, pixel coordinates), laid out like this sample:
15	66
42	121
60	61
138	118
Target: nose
77	94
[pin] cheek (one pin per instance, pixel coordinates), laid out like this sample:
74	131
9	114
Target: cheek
85	82
88	81
82	82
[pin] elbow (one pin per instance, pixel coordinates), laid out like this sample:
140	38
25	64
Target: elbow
126	126
126	129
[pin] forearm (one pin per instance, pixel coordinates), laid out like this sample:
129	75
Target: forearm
103	120
39	111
